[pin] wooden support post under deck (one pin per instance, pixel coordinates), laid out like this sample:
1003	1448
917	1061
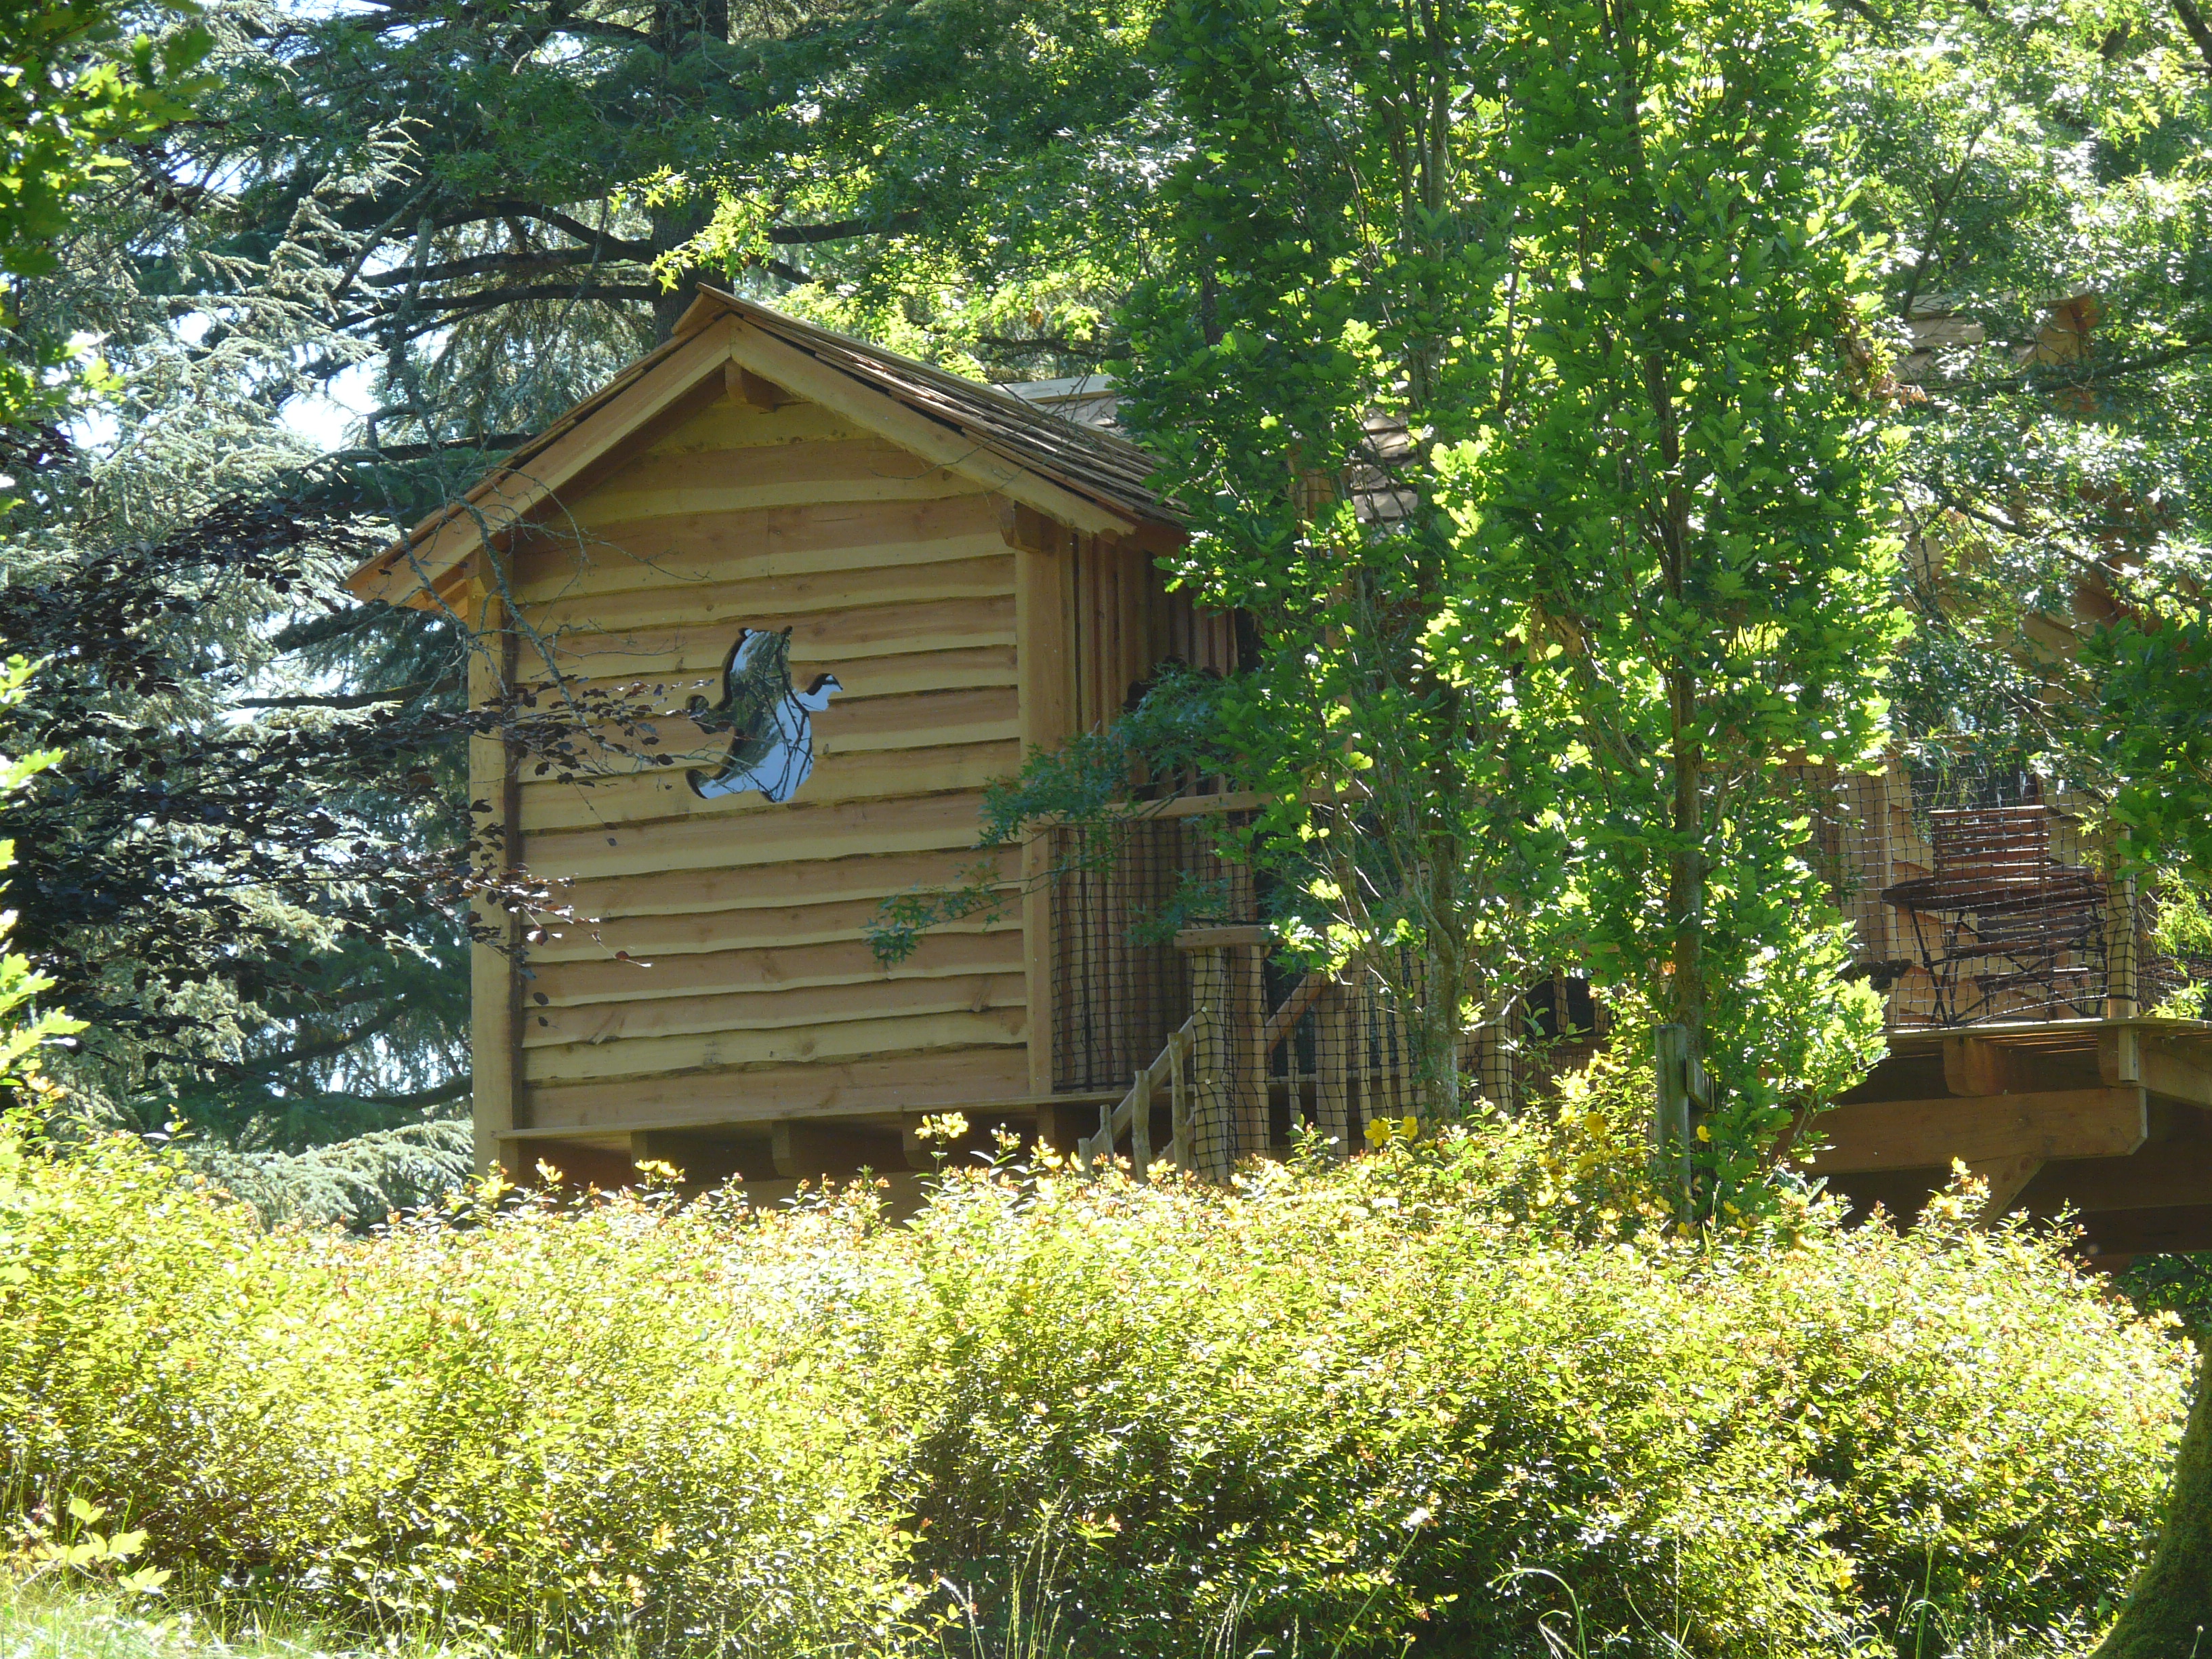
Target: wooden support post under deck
1211	1060
1251	993
1975	1066
1180	1142
494	986
1140	1127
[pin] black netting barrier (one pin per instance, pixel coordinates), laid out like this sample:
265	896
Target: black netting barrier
1972	896
1978	896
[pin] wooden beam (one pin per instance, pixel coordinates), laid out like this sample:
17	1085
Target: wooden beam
812	1150
494	988
1027	531
1043	661
2128	1056
2166	1174
1974	1066
747	387
1925	1134
932	440
2006	1178
1216	938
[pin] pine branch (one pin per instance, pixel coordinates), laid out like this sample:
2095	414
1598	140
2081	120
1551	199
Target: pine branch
487	263
355	699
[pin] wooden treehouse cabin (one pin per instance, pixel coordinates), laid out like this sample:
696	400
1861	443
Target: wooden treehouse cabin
858	589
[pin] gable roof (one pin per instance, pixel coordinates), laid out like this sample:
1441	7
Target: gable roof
1081	475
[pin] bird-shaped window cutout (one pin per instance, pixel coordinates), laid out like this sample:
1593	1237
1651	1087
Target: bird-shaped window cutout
771	727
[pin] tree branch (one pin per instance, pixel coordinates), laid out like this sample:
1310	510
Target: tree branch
487	263
842	230
499	207
2193	21
353	699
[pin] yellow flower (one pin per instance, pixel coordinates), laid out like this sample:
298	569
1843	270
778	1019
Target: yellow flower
1411	1128
1705	1132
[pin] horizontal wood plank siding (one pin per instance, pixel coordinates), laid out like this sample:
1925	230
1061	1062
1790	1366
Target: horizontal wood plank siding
880	676
779	967
747	480
719	973
715	604
886	1086
930	823
767	887
652	938
807	1009
665	794
848	1040
555	561
835	640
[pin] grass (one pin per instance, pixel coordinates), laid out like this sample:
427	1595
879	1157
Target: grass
43	1620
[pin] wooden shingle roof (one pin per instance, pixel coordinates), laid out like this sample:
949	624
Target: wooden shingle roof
1097	461
1086	478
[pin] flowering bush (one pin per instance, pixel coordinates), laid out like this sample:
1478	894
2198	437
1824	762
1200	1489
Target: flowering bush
1343	1409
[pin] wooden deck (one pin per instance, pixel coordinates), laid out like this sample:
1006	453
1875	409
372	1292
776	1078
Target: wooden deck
2110	1119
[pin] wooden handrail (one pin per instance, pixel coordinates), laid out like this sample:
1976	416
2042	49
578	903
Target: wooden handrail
1310	990
1132	1113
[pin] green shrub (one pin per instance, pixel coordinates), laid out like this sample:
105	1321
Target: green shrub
1374	1404
1339	1411
560	1423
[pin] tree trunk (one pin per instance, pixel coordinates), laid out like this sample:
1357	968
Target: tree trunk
2168	1614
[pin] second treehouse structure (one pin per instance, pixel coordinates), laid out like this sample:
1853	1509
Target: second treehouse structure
860	589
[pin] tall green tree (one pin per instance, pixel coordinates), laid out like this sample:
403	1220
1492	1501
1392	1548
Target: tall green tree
1513	363
1675	522
949	174
1329	237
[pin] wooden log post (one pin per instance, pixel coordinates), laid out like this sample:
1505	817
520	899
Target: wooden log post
494	984
1141	1123
1181	1147
1210	1061
1227	1007
1333	1062
1249	1056
2120	965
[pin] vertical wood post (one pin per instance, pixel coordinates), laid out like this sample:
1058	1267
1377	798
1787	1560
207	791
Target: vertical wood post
1333	1061
1210	1066
1043	668
1141	1123
495	986
1227	1064
1250	1061
2120	967
1180	1149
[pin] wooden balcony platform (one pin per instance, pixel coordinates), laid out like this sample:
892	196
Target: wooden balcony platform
2110	1119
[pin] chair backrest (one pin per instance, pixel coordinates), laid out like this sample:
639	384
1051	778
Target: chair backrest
1993	841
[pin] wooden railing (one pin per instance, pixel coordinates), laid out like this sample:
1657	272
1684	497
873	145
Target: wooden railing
1133	1113
1210	1084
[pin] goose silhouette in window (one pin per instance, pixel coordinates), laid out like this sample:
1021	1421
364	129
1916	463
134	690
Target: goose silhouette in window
771	727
